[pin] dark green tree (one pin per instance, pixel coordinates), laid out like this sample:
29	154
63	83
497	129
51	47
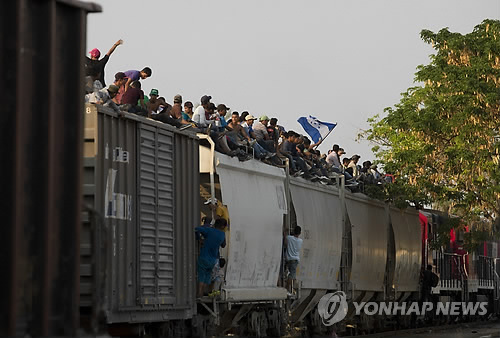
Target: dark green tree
442	139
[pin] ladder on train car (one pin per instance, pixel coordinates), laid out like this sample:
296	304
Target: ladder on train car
464	277
496	285
346	237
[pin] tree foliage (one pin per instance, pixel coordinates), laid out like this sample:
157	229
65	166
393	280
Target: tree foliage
442	140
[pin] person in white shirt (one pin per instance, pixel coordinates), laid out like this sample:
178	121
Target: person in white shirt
333	158
199	117
292	255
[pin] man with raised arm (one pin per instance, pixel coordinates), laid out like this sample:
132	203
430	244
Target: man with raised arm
94	62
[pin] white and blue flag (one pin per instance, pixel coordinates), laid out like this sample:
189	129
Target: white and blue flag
315	128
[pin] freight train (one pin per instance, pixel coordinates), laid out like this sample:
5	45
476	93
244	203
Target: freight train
146	187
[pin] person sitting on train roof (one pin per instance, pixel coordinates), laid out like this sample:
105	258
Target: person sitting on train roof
354	165
176	112
234	130
261	135
272	130
199	115
333	158
317	170
289	150
162	109
345	165
243	117
213	117
365	174
248	124
293	245
130	99
220	116
187	114
223	144
286	148
209	253
259	151
157	104
104	97
99	65
365	166
341	152
376	174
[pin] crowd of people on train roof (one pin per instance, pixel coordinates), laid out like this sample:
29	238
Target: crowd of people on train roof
242	135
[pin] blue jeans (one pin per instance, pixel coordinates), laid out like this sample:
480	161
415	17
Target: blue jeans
267	144
259	151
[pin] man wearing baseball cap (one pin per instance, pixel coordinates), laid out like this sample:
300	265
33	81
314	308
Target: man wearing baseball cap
154	92
94	62
247	125
154	103
261	135
176	111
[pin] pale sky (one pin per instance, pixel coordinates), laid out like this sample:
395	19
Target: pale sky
340	61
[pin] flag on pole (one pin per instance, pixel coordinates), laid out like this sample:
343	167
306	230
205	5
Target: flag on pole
315	128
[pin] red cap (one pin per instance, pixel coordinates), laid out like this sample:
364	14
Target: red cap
95	53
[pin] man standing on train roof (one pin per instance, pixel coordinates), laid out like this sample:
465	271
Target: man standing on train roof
292	255
94	62
209	253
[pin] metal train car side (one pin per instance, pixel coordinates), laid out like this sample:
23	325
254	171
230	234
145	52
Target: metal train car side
141	187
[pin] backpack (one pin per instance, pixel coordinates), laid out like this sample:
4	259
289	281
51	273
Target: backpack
434	280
